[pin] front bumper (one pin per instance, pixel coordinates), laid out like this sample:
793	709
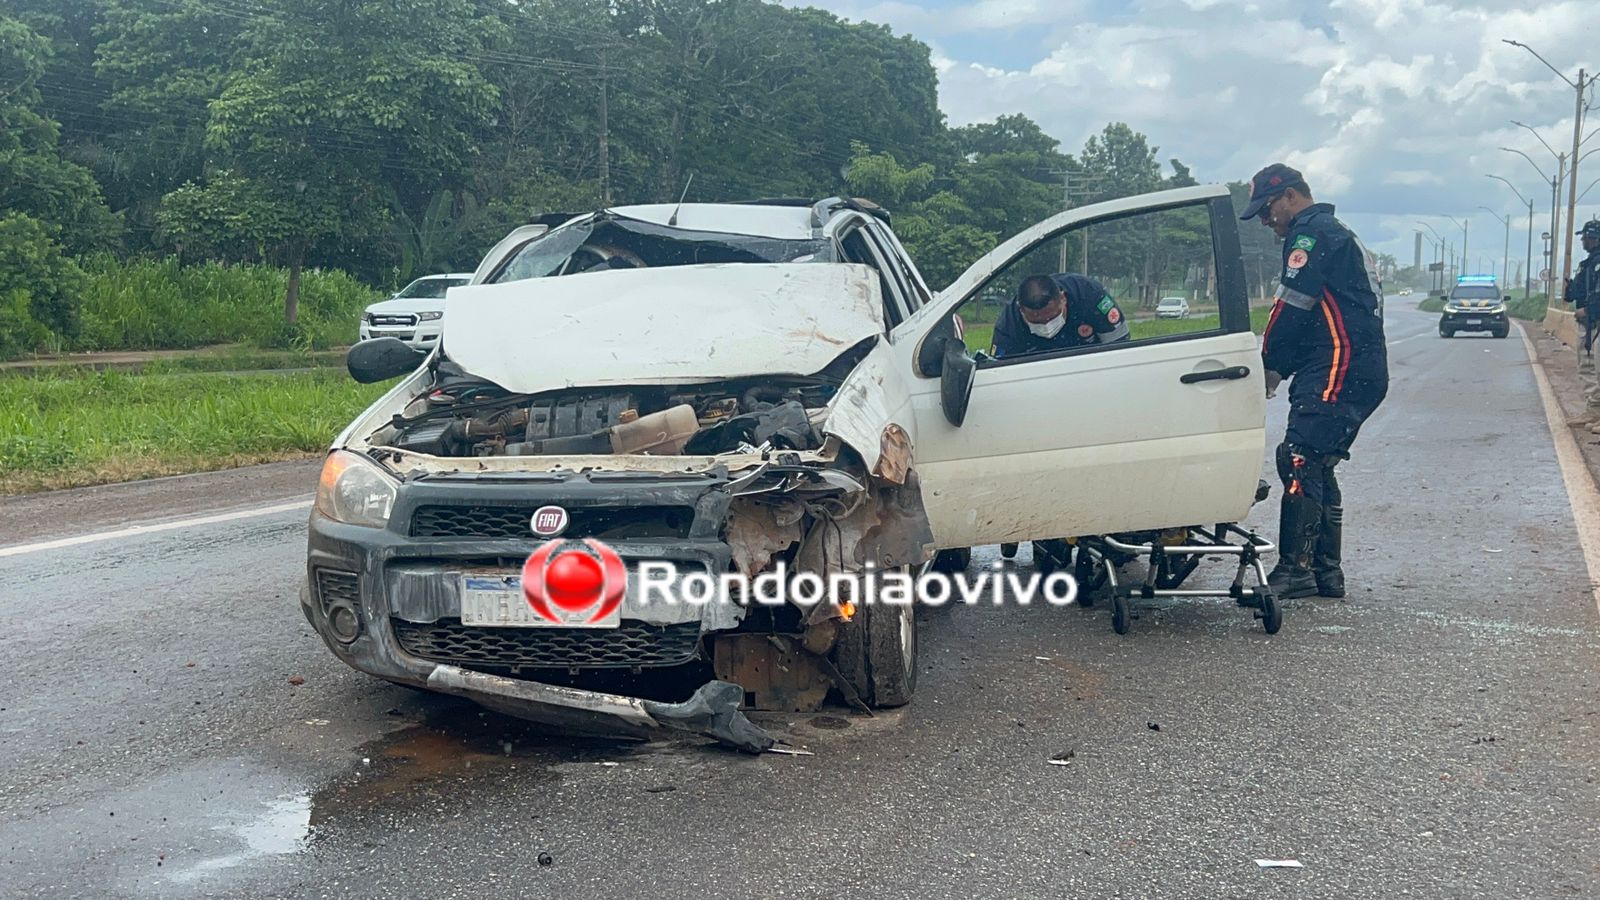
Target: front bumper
404	584
1472	320
421	336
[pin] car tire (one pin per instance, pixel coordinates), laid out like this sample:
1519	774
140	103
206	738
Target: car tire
1446	333
877	653
1500	333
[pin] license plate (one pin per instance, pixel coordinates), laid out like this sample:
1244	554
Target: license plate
1474	321
496	601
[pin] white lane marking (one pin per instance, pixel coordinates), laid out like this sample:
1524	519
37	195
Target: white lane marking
1581	492
1411	338
132	530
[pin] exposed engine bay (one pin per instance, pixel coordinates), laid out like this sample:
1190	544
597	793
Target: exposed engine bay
464	416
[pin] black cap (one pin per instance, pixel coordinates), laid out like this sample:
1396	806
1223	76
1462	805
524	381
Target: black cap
1591	228
1269	183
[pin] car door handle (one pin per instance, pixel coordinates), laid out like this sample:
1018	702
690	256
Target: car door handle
1230	373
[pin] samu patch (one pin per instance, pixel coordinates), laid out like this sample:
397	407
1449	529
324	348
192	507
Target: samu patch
1305	242
1114	316
1086	330
1298	259
1106	304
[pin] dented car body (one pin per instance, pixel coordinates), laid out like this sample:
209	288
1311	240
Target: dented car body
727	387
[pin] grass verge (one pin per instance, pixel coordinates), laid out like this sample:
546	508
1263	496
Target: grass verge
95	428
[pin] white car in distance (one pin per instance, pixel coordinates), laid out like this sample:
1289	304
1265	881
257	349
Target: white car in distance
415	314
1172	308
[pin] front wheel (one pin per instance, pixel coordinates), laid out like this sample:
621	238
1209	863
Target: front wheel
1446	333
877	653
1502	332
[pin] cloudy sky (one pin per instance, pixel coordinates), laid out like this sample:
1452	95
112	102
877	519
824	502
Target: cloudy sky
1394	109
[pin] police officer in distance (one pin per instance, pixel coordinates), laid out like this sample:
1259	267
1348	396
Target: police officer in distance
1325	334
1583	290
1057	312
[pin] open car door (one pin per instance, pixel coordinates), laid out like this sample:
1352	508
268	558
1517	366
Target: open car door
1166	428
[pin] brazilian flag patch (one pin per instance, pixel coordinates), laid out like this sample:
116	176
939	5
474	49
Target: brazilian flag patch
1304	242
1106	304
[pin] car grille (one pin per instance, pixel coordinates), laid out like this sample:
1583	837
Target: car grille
392	320
509	522
631	644
333	586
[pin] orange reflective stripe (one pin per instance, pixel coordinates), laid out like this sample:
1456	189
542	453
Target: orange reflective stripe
1331	391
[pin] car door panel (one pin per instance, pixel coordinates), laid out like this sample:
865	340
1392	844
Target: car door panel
1103	439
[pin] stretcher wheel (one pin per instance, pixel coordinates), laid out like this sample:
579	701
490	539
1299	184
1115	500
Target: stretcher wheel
1119	612
1091	577
1271	614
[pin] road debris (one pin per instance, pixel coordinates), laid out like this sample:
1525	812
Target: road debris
546	859
790	751
1153	726
1279	864
296	680
1064	758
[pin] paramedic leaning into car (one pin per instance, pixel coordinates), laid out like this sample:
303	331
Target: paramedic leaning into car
1057	312
1326	334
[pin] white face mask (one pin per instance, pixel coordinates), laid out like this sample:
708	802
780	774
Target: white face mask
1051	328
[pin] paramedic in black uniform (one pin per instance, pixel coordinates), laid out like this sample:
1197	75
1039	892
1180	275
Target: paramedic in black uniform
1325	335
1057	312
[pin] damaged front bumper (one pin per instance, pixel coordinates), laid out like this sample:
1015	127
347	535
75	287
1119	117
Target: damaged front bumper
712	712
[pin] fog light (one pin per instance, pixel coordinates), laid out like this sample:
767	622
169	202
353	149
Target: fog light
345	624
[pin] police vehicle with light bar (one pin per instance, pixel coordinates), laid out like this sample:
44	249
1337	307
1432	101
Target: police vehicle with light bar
1475	304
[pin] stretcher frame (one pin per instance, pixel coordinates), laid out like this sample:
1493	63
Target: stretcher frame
1171	564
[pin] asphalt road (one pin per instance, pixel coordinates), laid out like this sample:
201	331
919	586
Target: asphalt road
1435	735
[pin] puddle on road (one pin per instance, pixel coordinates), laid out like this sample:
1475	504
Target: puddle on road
284	826
456	744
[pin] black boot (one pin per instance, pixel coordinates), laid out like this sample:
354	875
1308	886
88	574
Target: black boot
1330	540
1299	520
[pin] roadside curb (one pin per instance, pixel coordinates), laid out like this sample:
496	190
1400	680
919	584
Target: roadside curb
1577	456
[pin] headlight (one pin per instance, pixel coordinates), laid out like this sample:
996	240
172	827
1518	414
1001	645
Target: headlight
1497	310
430	316
353	490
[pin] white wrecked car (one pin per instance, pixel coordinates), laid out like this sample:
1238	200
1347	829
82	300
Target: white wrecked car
731	387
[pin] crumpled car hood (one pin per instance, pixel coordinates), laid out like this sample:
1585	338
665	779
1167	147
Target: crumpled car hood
672	325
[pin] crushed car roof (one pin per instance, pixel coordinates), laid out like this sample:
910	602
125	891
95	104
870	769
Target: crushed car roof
783	222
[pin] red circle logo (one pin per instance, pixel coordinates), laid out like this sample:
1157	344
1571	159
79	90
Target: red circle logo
1085	330
562	586
1114	316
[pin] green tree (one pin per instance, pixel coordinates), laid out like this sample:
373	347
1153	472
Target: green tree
34	178
337	98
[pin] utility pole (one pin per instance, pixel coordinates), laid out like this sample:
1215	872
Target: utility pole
1085	185
605	133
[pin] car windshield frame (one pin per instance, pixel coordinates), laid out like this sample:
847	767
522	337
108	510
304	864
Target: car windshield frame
1475	292
549	254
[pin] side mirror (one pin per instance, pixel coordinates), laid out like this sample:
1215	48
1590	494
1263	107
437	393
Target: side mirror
957	374
380	359
1506	299
930	356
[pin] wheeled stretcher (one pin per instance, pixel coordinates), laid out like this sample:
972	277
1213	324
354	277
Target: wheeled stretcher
1172	556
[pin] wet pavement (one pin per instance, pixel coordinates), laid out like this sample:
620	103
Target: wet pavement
172	727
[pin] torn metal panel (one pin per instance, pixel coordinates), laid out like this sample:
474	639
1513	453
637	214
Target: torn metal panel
712	712
684	324
758	530
894	457
778	674
901	536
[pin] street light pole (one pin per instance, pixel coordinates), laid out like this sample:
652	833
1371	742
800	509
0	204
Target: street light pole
1438	246
1527	272
1578	88
1505	256
1463	226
